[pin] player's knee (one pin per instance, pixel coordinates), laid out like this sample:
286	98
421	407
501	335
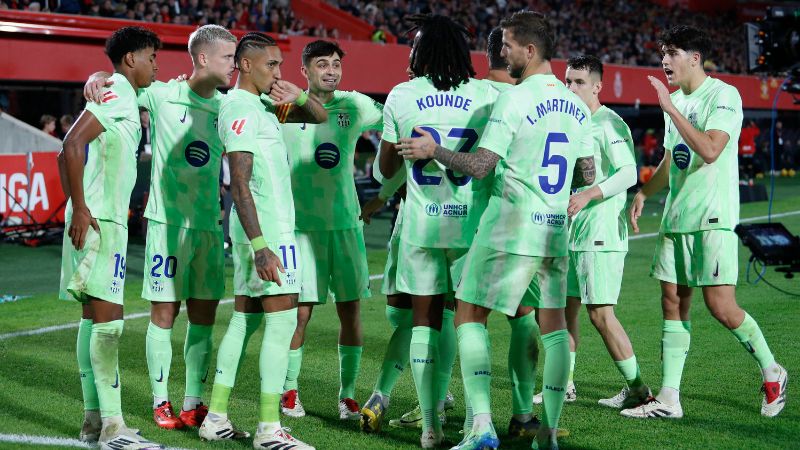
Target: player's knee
725	316
164	314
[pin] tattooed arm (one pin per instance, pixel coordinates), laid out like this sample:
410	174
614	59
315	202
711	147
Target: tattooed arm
584	172
477	164
241	165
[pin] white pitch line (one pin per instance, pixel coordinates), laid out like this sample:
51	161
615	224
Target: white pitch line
373	277
52	441
68	326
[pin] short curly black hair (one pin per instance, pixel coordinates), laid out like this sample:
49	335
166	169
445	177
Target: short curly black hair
494	46
589	63
130	39
321	48
687	38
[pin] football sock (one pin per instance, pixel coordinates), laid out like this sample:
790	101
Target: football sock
468	414
229	356
424	353
476	366
89	390
396	357
675	342
447	356
274	361
750	336
572	356
158	349
521	366
629	369
554	375
197	355
349	366
293	371
104	349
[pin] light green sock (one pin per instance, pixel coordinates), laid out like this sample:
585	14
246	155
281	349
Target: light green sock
158	349
555	375
229	357
675	340
424	354
521	365
293	371
104	348
349	366
274	361
396	357
629	369
90	402
572	356
476	366
448	344
750	336
197	355
468	414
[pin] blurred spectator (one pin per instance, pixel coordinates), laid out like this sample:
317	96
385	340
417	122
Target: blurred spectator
649	144
48	124
65	123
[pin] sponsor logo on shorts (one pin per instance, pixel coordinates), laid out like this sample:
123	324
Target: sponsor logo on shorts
433	209
716	271
197	154
681	155
549	219
157	286
291	278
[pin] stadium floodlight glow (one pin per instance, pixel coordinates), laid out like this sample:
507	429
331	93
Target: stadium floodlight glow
773	43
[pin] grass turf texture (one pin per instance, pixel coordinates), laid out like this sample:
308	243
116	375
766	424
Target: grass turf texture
40	392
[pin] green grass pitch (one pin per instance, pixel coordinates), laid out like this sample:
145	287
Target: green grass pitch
40	392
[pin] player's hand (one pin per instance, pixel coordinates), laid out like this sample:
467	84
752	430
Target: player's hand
664	100
284	92
637	206
269	266
79	227
93	89
421	147
182	77
370	208
577	202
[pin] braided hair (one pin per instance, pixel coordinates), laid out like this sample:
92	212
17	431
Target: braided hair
252	41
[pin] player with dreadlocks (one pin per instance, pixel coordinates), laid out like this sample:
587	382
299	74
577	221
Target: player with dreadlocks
440	214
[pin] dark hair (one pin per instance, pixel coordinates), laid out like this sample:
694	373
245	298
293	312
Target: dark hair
531	27
252	41
45	119
494	45
440	51
686	38
130	39
590	63
321	48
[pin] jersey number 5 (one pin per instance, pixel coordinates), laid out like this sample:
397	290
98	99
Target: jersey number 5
551	158
470	138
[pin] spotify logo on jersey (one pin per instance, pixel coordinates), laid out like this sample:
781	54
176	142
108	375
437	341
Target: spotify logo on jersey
327	155
197	154
681	156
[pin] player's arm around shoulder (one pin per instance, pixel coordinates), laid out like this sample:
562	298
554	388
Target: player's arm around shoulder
294	105
477	165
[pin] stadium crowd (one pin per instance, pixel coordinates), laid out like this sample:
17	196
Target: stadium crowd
621	32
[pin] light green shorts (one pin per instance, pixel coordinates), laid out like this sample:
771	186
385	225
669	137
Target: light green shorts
334	261
390	270
702	258
246	280
427	270
595	277
181	263
97	270
497	280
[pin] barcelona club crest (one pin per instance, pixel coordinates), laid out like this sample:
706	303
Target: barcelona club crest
343	119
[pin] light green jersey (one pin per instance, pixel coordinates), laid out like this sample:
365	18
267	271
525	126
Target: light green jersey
602	224
110	171
703	196
322	162
247	124
187	154
538	128
439	202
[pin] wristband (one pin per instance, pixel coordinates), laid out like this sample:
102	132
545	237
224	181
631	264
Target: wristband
258	243
301	99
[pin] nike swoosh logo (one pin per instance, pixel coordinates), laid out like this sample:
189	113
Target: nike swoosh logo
205	377
303	126
716	270
184	115
116	383
161	377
